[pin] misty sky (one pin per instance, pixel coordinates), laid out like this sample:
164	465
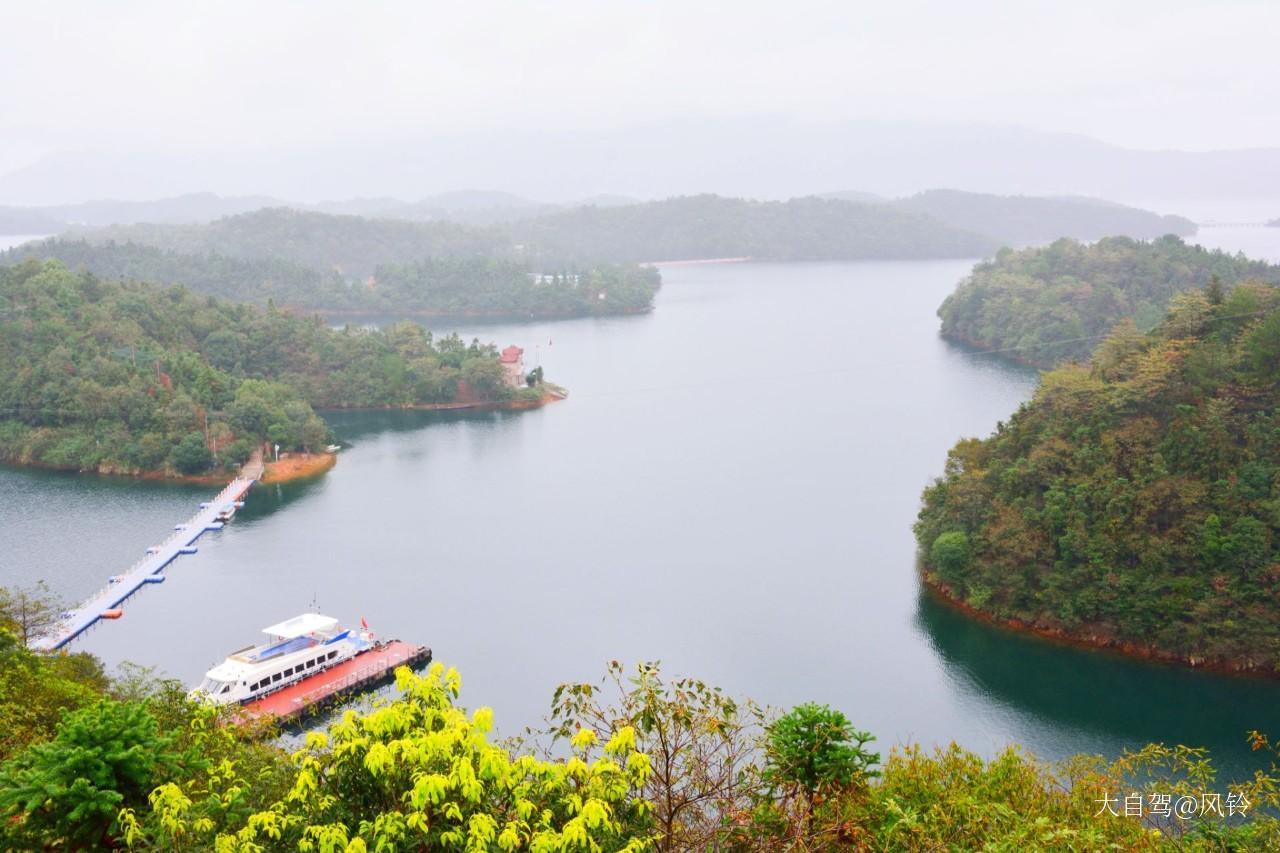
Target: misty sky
145	75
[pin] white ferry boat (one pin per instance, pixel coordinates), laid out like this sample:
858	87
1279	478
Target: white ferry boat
298	648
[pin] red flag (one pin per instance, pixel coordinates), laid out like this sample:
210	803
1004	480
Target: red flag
364	624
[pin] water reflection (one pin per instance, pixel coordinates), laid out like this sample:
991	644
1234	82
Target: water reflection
1110	700
351	426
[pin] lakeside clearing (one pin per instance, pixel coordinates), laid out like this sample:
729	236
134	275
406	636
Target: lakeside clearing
298	466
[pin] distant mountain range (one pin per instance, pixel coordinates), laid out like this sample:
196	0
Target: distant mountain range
1016	220
1025	220
469	207
766	158
188	208
684	228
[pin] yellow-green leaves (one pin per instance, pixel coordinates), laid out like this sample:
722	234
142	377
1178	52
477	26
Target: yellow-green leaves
595	814
378	759
622	742
453	683
510	838
639	767
420	773
430	789
482	719
481	830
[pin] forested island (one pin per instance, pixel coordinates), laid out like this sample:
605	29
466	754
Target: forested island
1049	305
710	226
1133	502
1012	219
633	762
442	286
689	227
569	262
352	245
1021	220
577	262
134	378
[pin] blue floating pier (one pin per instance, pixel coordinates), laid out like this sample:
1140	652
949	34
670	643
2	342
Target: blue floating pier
148	570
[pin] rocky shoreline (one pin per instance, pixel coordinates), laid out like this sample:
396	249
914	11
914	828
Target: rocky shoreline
1092	642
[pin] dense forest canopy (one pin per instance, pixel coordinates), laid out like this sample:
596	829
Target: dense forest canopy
709	226
1048	305
1021	220
1136	499
130	377
442	286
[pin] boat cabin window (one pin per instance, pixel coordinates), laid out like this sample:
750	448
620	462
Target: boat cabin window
332	655
276	677
310	664
289	671
225	688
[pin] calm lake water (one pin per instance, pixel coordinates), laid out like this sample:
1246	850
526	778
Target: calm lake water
729	489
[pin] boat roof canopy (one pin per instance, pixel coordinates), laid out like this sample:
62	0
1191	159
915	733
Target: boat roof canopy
299	626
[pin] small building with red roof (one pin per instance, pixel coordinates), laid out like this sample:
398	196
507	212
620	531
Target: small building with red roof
512	360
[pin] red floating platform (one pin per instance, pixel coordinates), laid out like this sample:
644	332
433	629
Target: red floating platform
351	676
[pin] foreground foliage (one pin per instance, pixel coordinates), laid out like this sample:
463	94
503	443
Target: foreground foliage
1048	305
812	751
700	742
418	773
1134	500
668	765
35	690
104	757
126	377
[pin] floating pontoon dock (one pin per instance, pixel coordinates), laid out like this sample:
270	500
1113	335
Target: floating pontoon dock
149	569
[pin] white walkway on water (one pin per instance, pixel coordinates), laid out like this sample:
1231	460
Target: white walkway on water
148	570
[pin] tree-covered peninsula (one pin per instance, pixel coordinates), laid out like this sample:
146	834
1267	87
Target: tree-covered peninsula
454	286
126	377
1134	501
1045	306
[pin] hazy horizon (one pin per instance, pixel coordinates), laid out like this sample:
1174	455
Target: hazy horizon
317	101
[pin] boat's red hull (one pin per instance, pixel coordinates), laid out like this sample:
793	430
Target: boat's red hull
350	676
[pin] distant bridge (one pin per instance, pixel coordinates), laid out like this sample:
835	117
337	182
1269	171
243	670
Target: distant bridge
212	516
